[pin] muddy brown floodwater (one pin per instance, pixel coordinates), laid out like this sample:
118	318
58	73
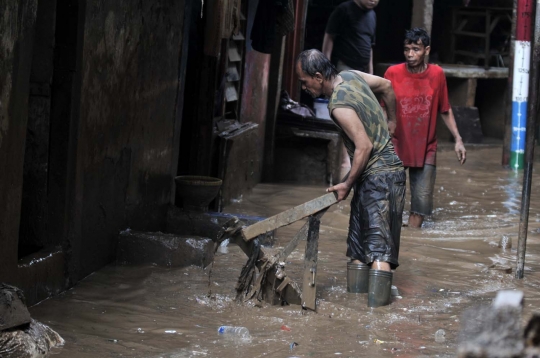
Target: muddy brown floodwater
450	265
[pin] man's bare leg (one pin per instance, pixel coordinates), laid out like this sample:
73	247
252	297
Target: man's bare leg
381	265
376	265
416	220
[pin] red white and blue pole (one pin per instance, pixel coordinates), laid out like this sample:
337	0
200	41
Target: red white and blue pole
520	88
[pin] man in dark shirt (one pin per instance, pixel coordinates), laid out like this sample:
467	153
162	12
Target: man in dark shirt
350	35
348	42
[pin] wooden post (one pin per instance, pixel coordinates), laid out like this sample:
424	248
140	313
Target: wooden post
423	14
309	289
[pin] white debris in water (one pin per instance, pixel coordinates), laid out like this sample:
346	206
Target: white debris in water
198	244
440	336
276	320
237	200
223	247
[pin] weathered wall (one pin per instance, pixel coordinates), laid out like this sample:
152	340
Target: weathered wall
17	20
129	82
105	84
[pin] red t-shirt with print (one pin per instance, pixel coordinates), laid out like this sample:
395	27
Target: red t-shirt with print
419	98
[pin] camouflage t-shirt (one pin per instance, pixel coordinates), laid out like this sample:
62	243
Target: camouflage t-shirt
354	93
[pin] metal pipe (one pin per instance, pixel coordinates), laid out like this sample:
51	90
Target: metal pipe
529	145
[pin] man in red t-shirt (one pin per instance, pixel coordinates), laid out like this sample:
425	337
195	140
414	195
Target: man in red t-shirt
421	94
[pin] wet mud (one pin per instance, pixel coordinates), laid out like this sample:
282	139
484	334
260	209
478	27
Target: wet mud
450	265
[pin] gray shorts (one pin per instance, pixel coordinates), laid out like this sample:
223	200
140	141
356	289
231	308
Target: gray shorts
422	183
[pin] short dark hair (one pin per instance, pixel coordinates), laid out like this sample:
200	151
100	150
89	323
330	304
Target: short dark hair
313	61
413	35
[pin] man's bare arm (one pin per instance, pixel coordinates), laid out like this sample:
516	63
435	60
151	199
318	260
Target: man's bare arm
450	122
383	87
328	45
354	129
391	124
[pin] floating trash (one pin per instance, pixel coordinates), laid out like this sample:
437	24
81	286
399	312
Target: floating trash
292	345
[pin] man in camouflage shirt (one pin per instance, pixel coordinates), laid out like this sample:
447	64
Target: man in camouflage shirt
377	174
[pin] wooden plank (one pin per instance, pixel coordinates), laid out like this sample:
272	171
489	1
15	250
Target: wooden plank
232	73
470	33
234	54
309	289
238	37
230	92
289	216
287	250
471	92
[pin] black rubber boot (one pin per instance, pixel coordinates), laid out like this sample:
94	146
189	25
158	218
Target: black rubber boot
357	277
380	283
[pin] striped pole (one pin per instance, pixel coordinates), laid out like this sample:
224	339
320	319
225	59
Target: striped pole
532	109
520	88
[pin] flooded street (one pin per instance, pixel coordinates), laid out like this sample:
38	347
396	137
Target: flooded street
453	263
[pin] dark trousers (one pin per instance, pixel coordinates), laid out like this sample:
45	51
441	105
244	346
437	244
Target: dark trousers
376	217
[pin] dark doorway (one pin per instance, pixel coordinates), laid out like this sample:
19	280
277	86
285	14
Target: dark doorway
195	37
45	170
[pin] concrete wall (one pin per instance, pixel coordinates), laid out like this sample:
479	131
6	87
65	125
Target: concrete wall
113	116
129	82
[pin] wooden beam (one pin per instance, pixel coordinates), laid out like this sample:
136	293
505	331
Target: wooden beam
289	216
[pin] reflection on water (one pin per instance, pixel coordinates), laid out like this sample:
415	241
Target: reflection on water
450	265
